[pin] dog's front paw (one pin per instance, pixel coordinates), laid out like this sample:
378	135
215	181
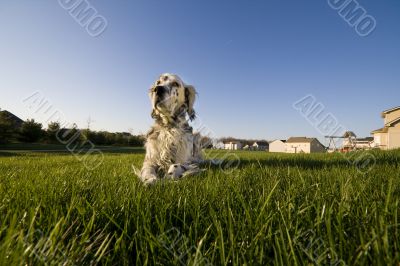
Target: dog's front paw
183	170
176	171
149	179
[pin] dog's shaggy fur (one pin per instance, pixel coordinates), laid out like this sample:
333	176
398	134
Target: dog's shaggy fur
171	143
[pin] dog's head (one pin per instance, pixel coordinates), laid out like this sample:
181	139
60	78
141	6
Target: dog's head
172	99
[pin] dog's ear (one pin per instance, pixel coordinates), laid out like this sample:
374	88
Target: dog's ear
190	97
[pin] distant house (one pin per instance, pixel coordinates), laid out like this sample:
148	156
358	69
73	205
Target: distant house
277	146
218	145
260	146
233	145
388	137
304	145
15	120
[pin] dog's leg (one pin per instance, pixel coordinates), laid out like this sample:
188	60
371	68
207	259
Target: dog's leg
145	175
148	174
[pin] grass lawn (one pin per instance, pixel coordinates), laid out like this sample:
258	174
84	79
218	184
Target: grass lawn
59	148
273	209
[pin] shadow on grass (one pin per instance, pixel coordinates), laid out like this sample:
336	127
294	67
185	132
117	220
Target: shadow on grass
8	154
124	150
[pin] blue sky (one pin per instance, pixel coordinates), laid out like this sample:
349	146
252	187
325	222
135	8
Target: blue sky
249	60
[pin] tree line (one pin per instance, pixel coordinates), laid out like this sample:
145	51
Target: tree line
30	131
243	141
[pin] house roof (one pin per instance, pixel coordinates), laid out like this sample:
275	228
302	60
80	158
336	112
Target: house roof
282	140
15	120
386	127
393	122
380	130
391	110
300	140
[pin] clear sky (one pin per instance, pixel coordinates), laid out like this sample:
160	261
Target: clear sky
249	60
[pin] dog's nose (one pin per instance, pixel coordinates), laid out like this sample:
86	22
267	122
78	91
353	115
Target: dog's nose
160	90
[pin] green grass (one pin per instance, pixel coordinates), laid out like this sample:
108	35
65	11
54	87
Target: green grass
274	209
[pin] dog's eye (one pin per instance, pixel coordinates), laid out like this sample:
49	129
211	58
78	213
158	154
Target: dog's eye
174	84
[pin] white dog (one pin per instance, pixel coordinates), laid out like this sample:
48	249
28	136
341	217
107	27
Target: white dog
171	146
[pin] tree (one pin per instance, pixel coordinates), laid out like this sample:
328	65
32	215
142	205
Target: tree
70	135
86	135
6	129
137	141
31	131
206	142
110	138
120	139
99	138
52	129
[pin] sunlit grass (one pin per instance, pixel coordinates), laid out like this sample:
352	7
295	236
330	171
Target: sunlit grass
273	209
